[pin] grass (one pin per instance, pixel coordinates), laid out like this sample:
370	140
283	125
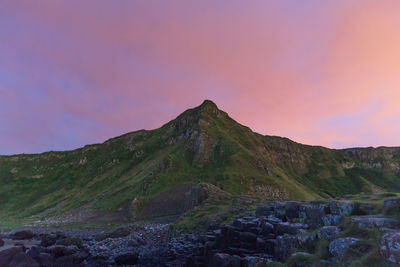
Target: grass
201	145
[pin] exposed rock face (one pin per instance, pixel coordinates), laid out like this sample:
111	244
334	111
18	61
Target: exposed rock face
23	260
390	247
338	247
328	232
127	259
371	221
174	202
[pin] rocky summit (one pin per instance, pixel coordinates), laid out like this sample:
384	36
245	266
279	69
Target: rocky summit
202	190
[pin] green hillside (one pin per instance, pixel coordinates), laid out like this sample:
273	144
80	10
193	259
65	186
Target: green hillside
201	145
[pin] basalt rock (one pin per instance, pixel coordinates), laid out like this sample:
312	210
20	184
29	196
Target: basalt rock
338	247
22	235
390	247
371	221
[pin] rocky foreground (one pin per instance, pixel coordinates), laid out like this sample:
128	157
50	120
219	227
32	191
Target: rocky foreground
278	234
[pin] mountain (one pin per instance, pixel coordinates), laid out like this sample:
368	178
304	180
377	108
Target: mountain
170	170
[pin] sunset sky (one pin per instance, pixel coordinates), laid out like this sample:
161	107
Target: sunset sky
76	72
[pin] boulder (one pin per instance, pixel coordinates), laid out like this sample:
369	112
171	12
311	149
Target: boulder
224	260
285	246
60	251
22	259
127	259
117	233
390	247
338	247
328	232
97	261
1	242
48	240
66	261
371	221
22	235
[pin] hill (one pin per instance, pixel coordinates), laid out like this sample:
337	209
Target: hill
139	171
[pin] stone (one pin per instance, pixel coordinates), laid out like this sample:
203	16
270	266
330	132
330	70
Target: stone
127	259
48	240
343	208
267	228
7	255
313	214
97	261
252	261
285	246
224	260
391	202
292	209
1	242
70	241
331	219
22	259
117	233
66	261
289	228
328	232
46	260
389	248
371	221
338	247
22	235
60	251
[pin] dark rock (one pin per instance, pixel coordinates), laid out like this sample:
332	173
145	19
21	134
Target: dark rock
289	228
252	261
46	260
127	259
328	232
313	214
22	235
22	259
389	247
97	261
371	221
70	241
395	202
60	251
339	246
48	240
1	242
285	246
67	261
331	219
80	256
117	233
7	255
267	228
292	209
34	253
224	260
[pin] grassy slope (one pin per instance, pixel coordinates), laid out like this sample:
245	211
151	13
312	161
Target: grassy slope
203	144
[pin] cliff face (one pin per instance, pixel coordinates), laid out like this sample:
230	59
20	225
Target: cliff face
202	145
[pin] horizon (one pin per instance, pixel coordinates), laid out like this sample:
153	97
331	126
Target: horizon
318	73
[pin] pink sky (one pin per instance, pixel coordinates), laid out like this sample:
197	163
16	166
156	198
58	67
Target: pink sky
78	72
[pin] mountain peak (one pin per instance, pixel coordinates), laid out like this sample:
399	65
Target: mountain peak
209	107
